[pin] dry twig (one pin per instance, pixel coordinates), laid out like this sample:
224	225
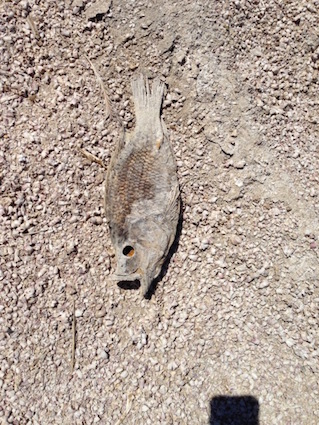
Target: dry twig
92	158
127	411
33	27
73	339
105	95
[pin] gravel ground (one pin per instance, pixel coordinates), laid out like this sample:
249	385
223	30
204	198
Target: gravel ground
230	335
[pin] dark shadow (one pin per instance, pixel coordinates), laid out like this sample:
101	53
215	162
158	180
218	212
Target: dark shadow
234	410
171	252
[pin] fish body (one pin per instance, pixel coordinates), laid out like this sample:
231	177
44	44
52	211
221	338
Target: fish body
142	198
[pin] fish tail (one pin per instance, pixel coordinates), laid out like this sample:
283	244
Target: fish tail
148	102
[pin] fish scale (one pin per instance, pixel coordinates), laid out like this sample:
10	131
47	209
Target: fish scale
134	182
142	201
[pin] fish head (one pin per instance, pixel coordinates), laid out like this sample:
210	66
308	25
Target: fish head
141	260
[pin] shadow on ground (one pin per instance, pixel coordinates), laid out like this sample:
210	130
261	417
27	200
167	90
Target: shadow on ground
236	410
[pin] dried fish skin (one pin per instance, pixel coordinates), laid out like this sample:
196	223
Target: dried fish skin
142	198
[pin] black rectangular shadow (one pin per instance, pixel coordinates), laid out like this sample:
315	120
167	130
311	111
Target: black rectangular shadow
237	410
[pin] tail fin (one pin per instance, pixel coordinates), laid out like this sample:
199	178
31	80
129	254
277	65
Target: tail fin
148	103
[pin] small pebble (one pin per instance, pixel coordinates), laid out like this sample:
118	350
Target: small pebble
71	247
79	312
100	313
103	354
96	220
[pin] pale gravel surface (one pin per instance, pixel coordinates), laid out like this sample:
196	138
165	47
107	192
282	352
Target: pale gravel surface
237	312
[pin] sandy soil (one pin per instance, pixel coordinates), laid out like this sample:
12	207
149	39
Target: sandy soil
230	335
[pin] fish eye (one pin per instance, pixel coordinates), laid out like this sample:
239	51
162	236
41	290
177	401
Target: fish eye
128	251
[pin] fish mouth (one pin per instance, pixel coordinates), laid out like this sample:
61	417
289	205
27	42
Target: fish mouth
129	285
127	281
134	280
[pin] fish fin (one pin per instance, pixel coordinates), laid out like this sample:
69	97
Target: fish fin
121	141
164	128
148	102
145	285
173	207
127	137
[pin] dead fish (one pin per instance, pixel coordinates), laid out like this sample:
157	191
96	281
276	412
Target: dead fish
142	197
